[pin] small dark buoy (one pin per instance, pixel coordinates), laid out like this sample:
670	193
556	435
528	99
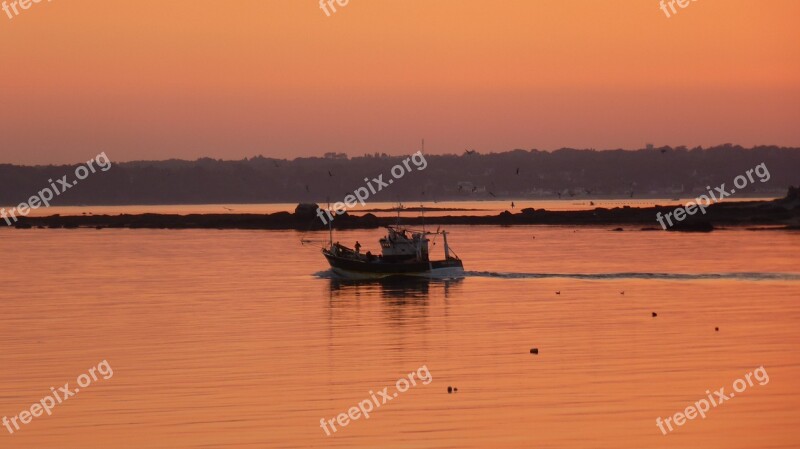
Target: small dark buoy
455	390
622	292
534	350
716	329
449	390
655	314
558	292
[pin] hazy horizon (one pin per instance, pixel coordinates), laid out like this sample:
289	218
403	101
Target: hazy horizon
156	80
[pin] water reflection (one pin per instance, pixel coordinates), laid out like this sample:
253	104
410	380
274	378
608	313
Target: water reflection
401	301
396	291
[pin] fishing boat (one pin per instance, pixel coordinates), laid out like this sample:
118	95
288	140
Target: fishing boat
404	252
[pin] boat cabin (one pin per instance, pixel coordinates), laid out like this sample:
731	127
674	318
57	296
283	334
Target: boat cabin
400	244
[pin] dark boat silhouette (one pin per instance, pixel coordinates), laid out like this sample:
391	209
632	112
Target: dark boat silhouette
404	252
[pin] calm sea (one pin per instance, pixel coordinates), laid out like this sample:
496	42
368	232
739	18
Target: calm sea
240	339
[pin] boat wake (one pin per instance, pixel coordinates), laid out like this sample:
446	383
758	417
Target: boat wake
661	276
328	274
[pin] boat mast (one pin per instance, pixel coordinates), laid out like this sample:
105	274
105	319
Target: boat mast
399	206
422	207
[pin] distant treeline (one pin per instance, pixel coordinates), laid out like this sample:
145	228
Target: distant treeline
565	173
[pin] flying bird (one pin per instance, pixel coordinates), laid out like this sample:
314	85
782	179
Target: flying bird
329	173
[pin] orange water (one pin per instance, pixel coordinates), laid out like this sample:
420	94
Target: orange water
238	339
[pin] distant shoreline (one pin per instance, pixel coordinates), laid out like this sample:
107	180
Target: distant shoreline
581	175
782	213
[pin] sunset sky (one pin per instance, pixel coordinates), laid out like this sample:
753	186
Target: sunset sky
187	79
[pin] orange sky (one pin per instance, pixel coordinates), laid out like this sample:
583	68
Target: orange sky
185	79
